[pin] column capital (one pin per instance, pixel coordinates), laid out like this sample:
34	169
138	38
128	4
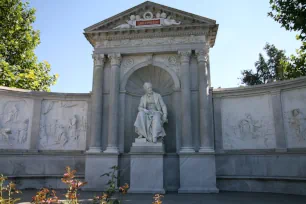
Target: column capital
202	55
184	55
115	58
99	59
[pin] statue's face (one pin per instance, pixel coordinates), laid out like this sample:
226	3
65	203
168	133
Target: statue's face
148	89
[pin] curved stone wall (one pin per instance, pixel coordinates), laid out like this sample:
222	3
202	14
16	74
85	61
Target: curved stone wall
260	137
40	134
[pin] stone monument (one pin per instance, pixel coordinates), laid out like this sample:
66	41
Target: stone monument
148	149
152	114
187	134
152	46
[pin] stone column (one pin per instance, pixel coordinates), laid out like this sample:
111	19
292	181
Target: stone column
35	127
204	102
112	146
281	143
186	145
97	104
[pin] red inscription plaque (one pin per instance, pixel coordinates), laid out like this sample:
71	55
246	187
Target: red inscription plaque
148	22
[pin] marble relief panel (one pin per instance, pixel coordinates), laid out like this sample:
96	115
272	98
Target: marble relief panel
247	123
63	125
294	115
15	122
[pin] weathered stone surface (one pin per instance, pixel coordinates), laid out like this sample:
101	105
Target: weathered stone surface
97	165
15	122
197	174
63	125
294	111
245	125
147	174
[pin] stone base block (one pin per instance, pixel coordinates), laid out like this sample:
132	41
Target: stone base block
142	146
147	173
201	190
197	173
95	166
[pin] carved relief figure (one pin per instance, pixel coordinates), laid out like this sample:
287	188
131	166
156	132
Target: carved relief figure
296	122
73	127
23	132
169	21
151	116
247	132
248	126
14	122
163	19
61	135
12	114
4	133
128	24
63	125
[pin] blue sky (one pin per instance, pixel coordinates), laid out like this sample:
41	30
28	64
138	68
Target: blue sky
244	28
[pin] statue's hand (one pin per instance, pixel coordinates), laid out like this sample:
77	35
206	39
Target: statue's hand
165	120
146	111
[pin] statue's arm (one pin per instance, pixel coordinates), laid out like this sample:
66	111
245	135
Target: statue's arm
163	106
141	105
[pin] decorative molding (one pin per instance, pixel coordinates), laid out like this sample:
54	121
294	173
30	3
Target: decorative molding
166	22
99	59
260	89
127	64
115	58
202	55
148	20
161	11
184	56
150	41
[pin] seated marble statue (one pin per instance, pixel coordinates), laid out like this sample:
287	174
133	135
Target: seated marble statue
151	116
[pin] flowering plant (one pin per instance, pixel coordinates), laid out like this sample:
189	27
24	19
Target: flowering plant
10	189
45	196
73	185
157	199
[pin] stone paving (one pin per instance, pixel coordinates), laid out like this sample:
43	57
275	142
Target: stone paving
174	198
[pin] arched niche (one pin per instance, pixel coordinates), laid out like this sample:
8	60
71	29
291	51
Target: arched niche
161	80
163	83
131	71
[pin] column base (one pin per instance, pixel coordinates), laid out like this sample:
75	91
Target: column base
95	166
142	190
187	150
206	149
198	190
94	150
111	150
197	173
147	173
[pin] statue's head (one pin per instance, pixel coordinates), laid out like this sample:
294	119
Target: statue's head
148	87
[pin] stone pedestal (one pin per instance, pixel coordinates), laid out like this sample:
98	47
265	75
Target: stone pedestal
147	167
95	166
197	173
142	146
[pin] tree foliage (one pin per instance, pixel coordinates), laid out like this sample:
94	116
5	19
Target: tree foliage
291	14
19	66
267	70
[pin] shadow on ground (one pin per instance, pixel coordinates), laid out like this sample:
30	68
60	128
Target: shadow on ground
174	198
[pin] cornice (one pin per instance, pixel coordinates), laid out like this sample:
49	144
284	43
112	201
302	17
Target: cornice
94	37
14	92
269	88
145	7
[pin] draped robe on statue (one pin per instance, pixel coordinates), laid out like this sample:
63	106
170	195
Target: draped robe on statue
150	125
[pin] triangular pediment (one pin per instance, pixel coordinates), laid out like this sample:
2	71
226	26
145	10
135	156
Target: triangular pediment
149	15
